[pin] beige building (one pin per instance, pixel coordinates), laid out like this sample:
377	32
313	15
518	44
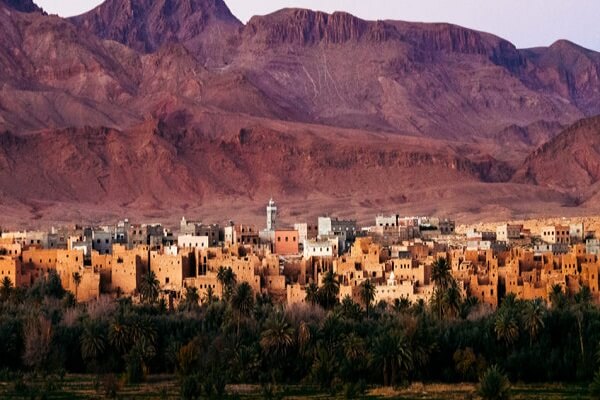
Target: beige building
556	234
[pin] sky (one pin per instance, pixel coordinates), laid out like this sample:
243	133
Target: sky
526	23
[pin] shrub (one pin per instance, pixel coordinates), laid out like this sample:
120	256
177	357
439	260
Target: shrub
494	385
595	386
355	390
190	389
111	386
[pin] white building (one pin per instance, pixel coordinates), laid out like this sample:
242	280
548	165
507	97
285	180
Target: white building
192	242
386	221
271	216
508	232
320	248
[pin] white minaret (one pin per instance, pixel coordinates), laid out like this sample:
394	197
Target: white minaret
271	215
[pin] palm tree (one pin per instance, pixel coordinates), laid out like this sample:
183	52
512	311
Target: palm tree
557	297
440	273
192	299
227	279
93	341
149	288
533	318
367	294
401	304
209	297
452	300
76	282
494	385
5	288
382	355
304	335
329	290
354	347
349	309
242	302
119	335
468	305
278	337
403	357
583	301
506	327
312	293
442	279
392	352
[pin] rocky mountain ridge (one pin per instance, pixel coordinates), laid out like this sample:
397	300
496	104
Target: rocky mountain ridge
141	103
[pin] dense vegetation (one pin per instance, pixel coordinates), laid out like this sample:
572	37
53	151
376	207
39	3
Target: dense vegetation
340	346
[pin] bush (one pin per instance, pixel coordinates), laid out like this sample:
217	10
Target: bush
595	386
110	386
190	389
135	368
355	390
494	385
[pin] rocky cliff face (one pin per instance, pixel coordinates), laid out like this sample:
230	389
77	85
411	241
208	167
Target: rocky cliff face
205	27
306	27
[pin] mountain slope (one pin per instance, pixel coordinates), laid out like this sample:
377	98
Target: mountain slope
569	162
155	106
205	27
434	80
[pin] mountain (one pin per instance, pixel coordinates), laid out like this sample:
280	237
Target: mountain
569	162
151	108
434	80
205	27
27	6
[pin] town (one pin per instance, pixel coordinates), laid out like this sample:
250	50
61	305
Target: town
396	255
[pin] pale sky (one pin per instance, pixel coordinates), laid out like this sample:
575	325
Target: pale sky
527	23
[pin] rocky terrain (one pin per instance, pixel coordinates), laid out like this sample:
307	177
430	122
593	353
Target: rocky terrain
157	108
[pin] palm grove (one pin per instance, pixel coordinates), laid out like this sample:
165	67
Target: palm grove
338	345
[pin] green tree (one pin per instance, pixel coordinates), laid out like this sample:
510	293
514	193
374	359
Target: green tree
533	319
228	280
119	335
149	288
312	293
93	341
452	300
583	301
278	337
191	301
441	274
506	327
209	297
242	302
442	279
392	353
367	294
402	304
349	309
494	385
5	289
329	290
557	297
